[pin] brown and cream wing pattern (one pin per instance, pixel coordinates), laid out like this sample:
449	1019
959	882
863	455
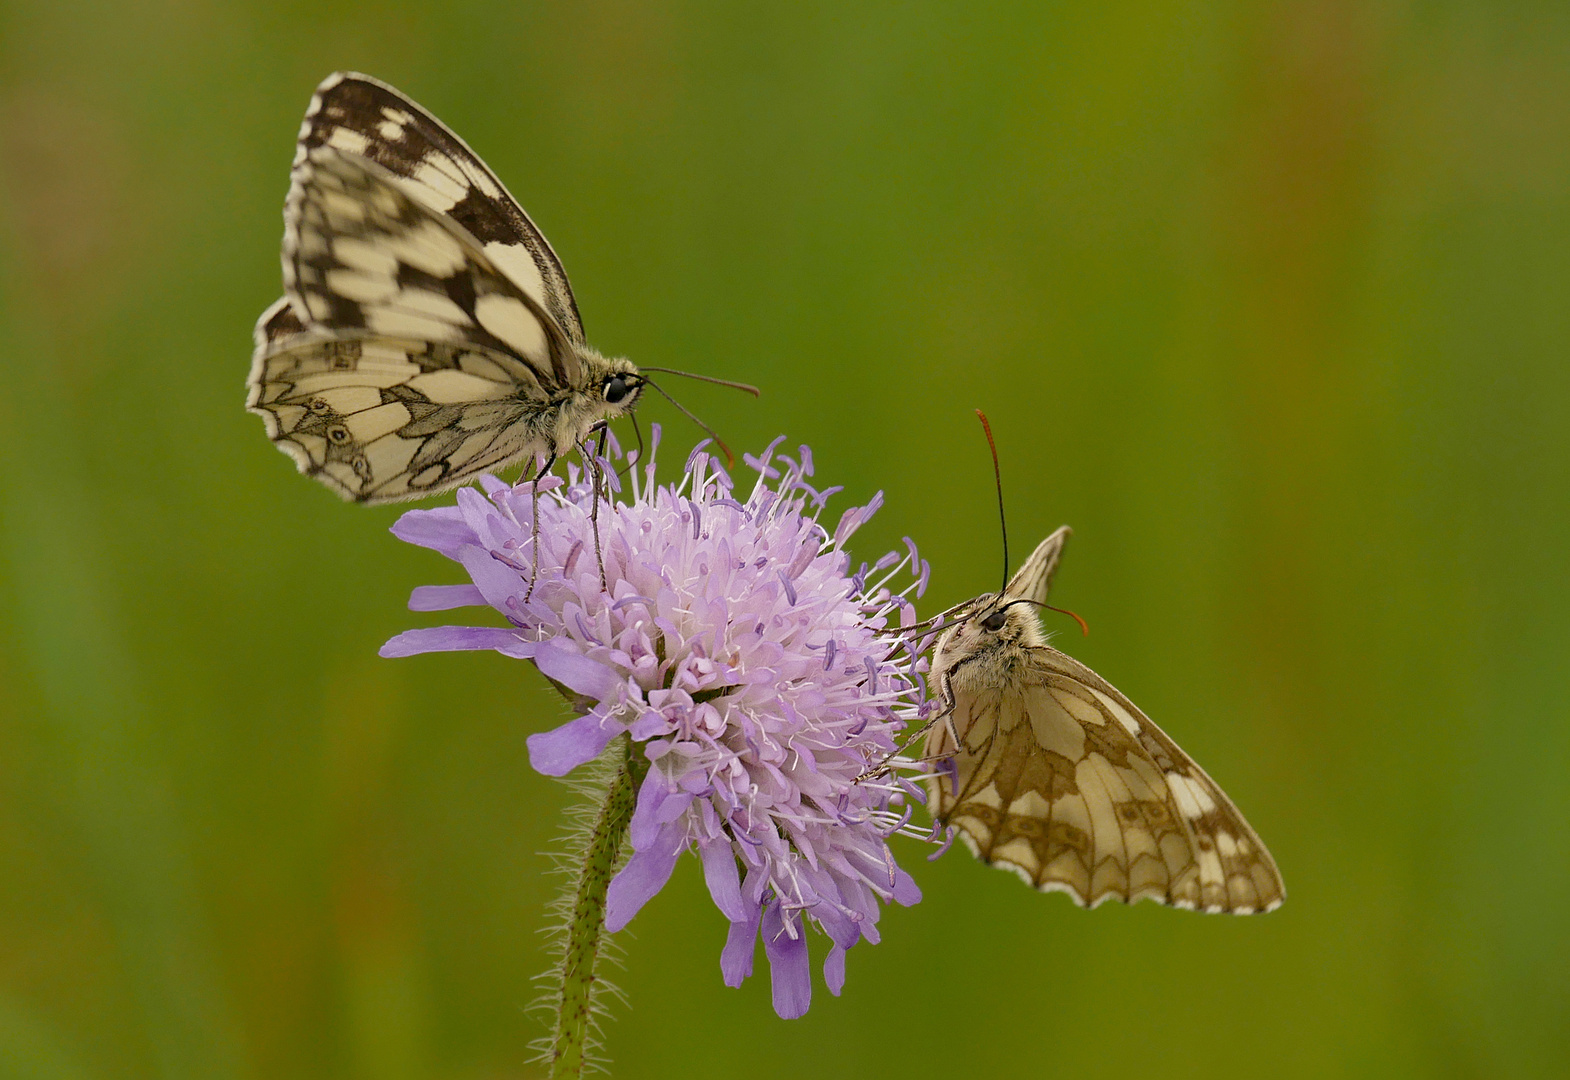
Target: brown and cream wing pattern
365	117
1061	779
401	362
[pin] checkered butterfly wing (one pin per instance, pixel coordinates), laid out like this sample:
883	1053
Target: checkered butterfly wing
359	115
1060	778
427	332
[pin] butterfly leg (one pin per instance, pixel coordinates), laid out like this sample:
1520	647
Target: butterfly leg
597	475
946	715
534	565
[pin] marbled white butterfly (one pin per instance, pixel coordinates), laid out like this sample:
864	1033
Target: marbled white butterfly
1048	771
427	331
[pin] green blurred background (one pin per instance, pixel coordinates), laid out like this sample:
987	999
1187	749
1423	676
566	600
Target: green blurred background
1266	299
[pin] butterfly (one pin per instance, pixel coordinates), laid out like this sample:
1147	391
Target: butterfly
1048	771
427	331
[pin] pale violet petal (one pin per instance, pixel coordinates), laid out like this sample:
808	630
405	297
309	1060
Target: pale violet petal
834	970
722	877
789	971
740	943
559	751
445	597
502	586
645	826
644	875
906	891
577	672
442	529
456	639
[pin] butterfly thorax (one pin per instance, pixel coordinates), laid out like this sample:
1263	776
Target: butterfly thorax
610	387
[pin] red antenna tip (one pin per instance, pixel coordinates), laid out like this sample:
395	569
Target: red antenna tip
1084	627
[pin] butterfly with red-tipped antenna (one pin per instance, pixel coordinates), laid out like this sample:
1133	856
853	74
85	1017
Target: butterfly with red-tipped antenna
1045	769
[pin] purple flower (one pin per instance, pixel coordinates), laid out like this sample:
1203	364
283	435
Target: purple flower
758	677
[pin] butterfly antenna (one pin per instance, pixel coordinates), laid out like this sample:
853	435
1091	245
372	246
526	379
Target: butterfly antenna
1084	627
730	458
746	387
997	474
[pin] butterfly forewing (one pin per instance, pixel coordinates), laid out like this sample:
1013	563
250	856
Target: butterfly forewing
1058	777
360	255
359	115
1034	580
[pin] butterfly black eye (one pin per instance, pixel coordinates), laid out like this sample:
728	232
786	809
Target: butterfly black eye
994	622
338	434
616	388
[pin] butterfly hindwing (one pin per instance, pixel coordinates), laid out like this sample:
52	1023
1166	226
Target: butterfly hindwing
362	116
1063	780
379	418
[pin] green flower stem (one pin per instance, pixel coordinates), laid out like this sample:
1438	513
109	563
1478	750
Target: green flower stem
588	914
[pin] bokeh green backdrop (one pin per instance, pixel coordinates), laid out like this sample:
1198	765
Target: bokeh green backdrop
1267	299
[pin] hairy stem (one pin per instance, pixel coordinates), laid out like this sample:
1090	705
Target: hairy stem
588	916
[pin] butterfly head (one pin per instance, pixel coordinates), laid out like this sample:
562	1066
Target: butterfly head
615	385
987	628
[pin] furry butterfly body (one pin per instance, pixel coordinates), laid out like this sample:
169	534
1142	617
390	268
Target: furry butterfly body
427	331
1058	777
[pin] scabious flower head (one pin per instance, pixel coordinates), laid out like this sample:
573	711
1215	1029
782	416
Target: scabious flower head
758	676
